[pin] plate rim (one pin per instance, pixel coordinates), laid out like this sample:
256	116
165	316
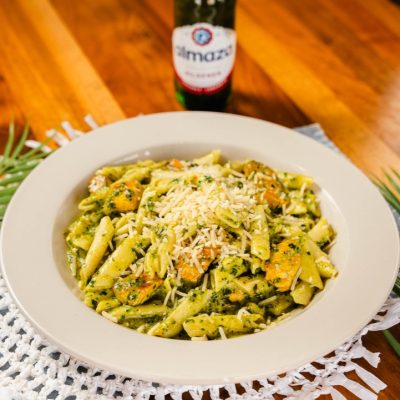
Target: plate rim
164	379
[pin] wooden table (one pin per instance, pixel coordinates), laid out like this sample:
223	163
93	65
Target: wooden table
336	62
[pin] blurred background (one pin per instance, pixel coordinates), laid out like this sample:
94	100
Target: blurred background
335	62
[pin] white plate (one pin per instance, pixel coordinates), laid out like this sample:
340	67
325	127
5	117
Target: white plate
366	253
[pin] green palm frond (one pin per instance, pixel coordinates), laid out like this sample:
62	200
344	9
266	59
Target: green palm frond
396	288
392	341
390	189
15	166
391	192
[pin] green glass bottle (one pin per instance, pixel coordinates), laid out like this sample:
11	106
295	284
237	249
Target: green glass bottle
204	47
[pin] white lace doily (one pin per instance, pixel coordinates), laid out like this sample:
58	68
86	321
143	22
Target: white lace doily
32	368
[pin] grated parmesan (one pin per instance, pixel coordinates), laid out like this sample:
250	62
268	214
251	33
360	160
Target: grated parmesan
168	295
296	277
184	204
302	189
110	317
174	289
222	332
205	282
139	270
241	312
267	301
329	245
199	338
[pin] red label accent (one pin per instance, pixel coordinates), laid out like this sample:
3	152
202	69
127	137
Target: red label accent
208	90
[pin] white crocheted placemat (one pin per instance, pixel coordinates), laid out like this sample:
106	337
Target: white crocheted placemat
32	368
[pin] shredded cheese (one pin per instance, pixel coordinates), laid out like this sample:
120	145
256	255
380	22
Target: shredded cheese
241	312
302	189
185	203
222	332
296	277
199	338
168	295
174	289
205	282
267	301
139	270
109	317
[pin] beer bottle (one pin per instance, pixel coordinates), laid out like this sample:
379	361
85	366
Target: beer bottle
204	46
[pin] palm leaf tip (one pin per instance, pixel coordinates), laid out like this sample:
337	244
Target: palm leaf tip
14	166
10	140
394	182
396	288
18	148
392	341
390	188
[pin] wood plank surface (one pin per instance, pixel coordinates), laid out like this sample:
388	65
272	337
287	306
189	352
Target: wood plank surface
335	62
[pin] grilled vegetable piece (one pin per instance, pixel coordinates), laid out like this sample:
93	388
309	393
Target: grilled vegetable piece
191	273
252	166
293	258
284	264
123	196
266	179
175	164
134	290
207	325
272	195
98	182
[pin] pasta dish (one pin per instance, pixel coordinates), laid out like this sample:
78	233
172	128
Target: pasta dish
200	249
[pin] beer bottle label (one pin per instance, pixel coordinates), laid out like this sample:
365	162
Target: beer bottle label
203	55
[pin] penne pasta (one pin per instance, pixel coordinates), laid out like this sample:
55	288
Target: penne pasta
199	249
